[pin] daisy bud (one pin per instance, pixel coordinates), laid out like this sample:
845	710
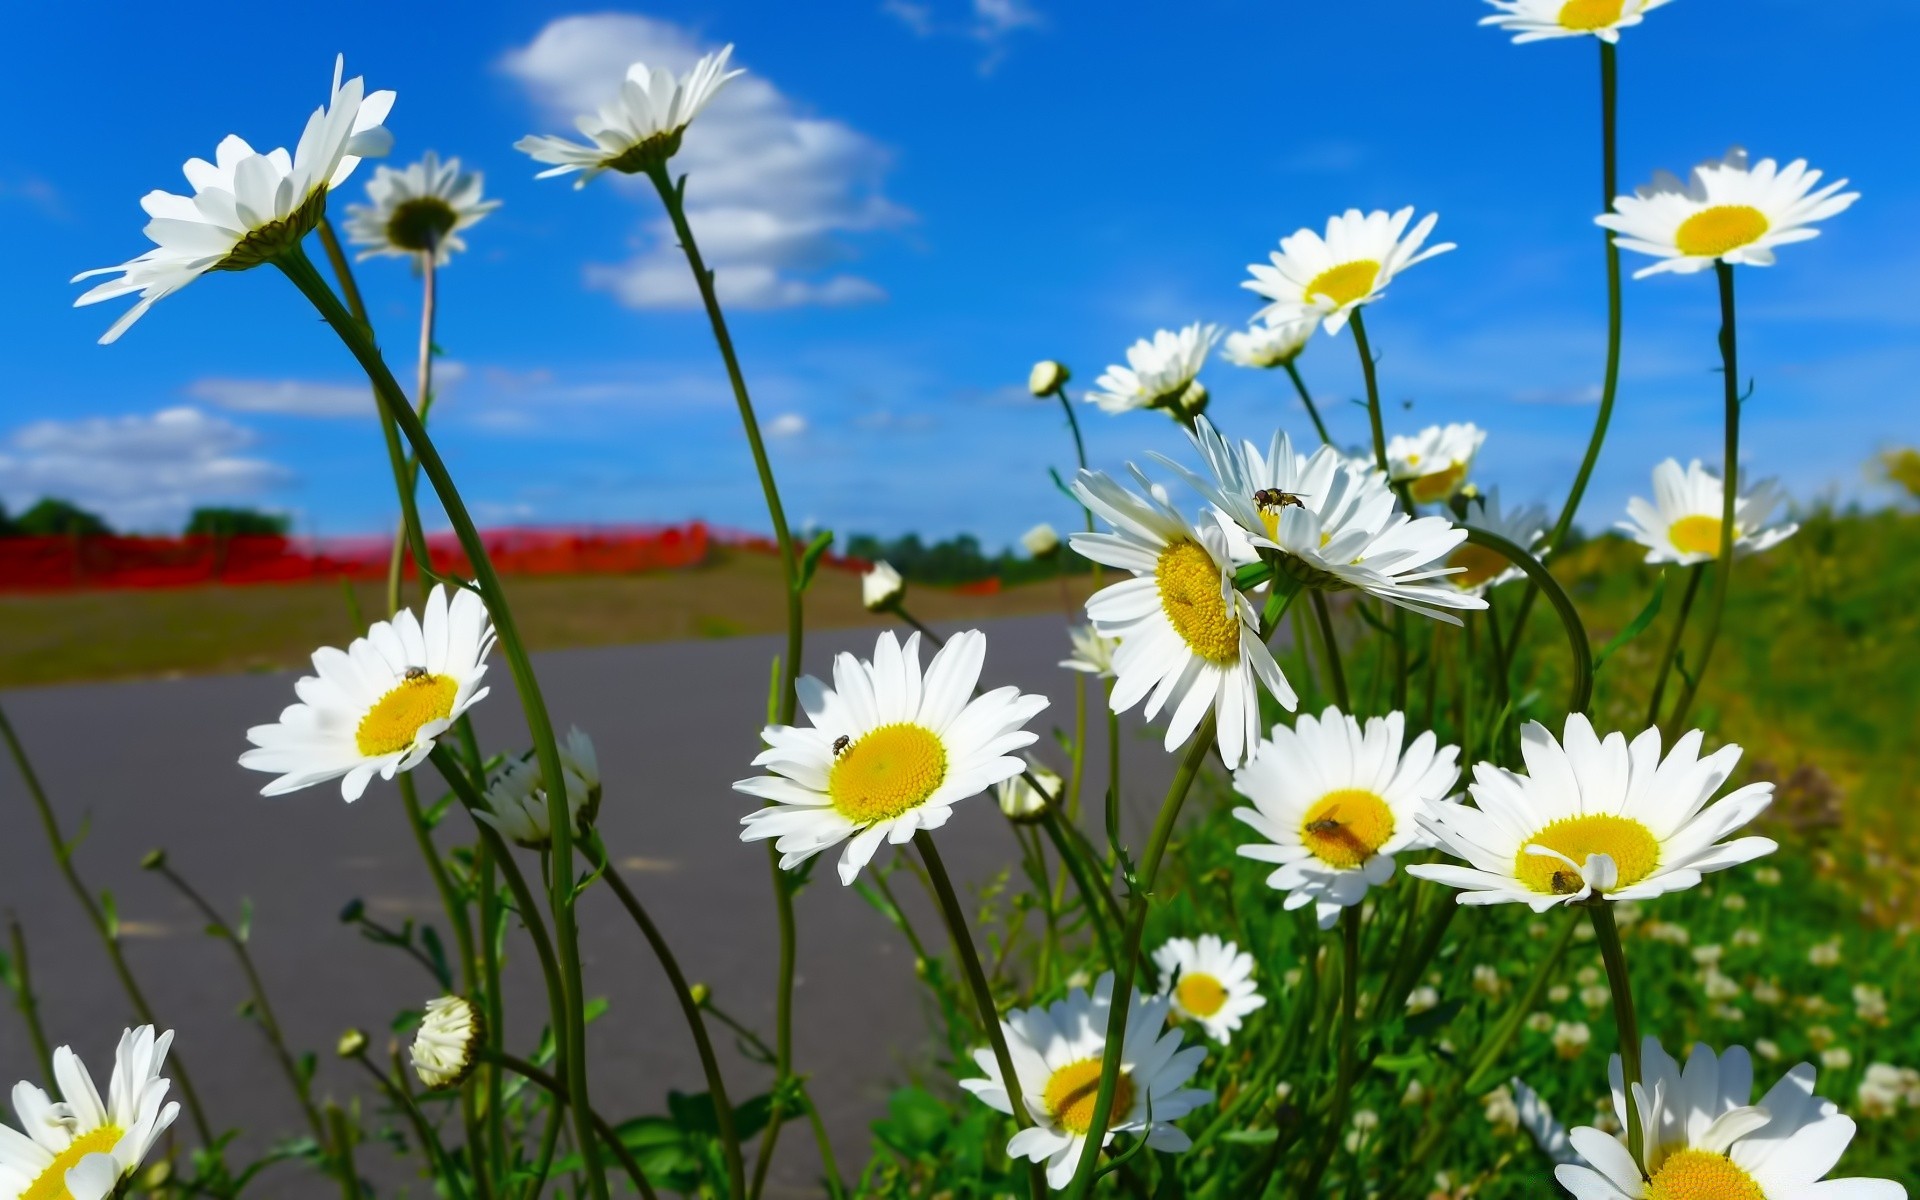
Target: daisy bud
1020	801
1047	377
1193	401
1042	541
448	1043
881	588
352	1044
154	861
700	994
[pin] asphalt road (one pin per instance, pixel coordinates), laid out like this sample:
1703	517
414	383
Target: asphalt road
152	764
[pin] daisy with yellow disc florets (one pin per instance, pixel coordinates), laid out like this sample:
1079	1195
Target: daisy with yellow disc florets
79	1148
888	752
1159	372
1477	568
1433	464
1683	523
1328	277
1728	212
1210	982
1538	20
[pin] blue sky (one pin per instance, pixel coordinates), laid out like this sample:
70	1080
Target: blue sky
910	202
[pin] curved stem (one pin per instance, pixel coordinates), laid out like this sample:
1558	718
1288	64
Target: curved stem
1615	957
423	400
1306	398
401	1097
1343	1087
1373	395
1577	643
1335	671
450	898
1667	659
1073	423
609	1137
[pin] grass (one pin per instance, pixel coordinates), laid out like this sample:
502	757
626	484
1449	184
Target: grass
67	637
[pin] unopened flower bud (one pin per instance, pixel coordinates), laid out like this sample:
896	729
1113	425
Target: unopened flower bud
1042	541
1047	377
882	588
448	1043
700	993
154	860
352	1044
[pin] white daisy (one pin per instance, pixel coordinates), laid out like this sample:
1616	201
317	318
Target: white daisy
1536	1117
640	127
1537	20
1336	801
1705	1137
1187	638
247	208
1158	372
1479	569
1262	345
379	705
889	751
447	1045
1727	212
1020	800
1327	278
1595	818
1056	1054
78	1148
516	800
1682	525
1434	462
1092	652
1210	982
1334	522
418	210
1042	541
881	587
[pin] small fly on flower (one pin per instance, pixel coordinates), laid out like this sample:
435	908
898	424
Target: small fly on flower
414	673
840	744
1275	498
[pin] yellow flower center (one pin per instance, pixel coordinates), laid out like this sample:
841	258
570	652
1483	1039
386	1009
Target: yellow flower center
1426	489
1701	1175
1072	1090
391	725
1586	15
1631	845
52	1182
1189	582
1477	566
1200	994
889	771
1345	283
1712	232
1696	535
1345	827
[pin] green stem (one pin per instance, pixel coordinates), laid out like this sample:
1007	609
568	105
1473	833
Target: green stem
1343	1087
1335	671
450	899
341	1134
1487	1059
401	1097
1578	646
1073	423
1373	395
423	399
1306	398
488	871
1672	651
1615	957
24	998
609	1136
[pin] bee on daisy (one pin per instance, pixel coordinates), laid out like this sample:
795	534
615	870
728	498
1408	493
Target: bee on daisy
1683	522
419	210
1188	640
1327	277
1056	1053
1159	372
78	1148
379	706
888	751
1210	982
1595	819
1433	464
1707	1137
1335	801
1477	569
640	127
1538	20
1727	211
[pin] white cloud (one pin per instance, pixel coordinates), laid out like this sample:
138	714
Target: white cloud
773	195
787	425
137	471
988	22
298	397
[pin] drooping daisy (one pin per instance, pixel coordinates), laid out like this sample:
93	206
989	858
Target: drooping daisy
1210	982
640	127
1536	1117
1479	569
1434	462
1020	801
1334	523
1682	525
881	587
1056	1054
378	706
1336	800
418	210
1328	277
1158	372
1537	20
78	1148
1262	345
1726	212
1092	652
447	1045
888	753
1187	638
516	800
1706	1137
246	207
1594	817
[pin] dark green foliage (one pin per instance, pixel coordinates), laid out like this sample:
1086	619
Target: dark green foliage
50	517
235	522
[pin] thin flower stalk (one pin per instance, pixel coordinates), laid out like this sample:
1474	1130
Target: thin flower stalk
608	1135
1607	934
1345	1053
1306	398
1672	653
19	979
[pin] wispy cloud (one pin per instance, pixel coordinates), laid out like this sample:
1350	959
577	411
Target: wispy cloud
35	192
787	425
775	195
989	22
294	397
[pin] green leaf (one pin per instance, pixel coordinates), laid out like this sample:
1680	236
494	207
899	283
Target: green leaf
810	558
1638	625
244	930
1251	1137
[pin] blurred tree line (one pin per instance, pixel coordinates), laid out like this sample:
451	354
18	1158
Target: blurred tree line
961	560
53	517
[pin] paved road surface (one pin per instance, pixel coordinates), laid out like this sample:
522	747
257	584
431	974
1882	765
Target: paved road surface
152	765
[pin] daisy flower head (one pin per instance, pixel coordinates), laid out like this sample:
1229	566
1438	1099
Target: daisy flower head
247	208
881	587
516	800
1682	524
640	128
1726	212
379	706
1326	521
1433	463
1336	800
1705	1136
1606	820
1479	569
1158	371
887	752
1056	1053
418	210
1188	640
1538	20
1023	803
447	1045
1328	277
1263	346
1092	652
1209	982
78	1148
